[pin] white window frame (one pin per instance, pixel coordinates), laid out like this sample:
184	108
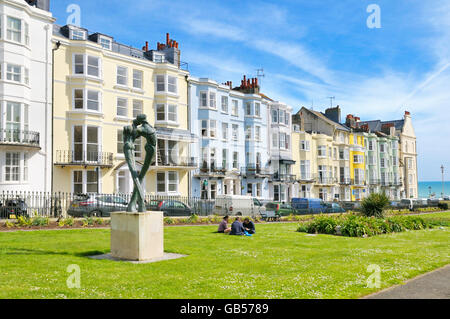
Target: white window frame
138	79
166	119
85	100
305	145
105	43
10	31
235	107
84	182
86	66
167	182
122	77
122	107
224	104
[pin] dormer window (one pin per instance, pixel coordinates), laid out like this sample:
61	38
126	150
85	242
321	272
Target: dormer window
76	34
158	58
106	43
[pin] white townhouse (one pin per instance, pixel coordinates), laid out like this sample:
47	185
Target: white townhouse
25	95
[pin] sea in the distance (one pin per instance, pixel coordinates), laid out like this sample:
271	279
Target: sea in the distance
436	187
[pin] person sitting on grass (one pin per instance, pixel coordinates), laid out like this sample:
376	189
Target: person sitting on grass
249	226
223	226
237	228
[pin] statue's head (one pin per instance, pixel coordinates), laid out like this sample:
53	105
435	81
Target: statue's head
140	119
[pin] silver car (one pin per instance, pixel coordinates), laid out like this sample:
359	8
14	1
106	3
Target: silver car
96	205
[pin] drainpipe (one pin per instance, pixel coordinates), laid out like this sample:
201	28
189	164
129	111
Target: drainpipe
58	44
190	129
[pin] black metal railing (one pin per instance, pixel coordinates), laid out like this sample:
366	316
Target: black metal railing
358	182
84	158
289	178
326	180
255	170
180	161
20	137
345	180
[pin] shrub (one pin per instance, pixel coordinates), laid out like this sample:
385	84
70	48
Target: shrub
168	221
9	224
361	226
192	219
40	221
98	221
23	222
87	221
443	206
374	205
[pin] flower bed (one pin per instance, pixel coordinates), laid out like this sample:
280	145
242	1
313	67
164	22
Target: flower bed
352	225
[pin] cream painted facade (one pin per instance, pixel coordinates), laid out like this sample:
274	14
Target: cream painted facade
100	86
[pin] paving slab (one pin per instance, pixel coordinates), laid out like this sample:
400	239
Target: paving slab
166	256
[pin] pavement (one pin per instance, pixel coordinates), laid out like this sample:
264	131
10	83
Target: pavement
432	285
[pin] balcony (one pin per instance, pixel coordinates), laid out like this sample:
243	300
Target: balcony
286	178
19	138
324	180
345	180
212	170
358	182
305	178
374	181
86	159
177	161
255	171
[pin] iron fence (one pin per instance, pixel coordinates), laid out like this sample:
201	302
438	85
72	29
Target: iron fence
14	136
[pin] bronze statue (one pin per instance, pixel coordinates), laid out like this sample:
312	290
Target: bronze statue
140	128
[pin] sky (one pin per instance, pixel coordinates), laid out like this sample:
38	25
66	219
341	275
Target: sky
310	51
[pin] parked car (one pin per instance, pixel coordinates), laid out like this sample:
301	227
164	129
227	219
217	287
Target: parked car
280	209
96	205
446	197
238	205
13	208
170	207
351	205
406	203
315	206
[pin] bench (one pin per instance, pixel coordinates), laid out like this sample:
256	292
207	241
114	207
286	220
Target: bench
270	216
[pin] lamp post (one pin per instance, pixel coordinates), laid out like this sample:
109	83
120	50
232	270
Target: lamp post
442	171
429	191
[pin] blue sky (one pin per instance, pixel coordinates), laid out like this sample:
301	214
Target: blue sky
309	50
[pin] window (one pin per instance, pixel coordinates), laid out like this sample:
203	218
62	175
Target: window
212	128
321	151
258	190
282	140
250	189
274	116
359	176
167	182
225	104
91	102
248	108
203	99
370	145
14	29
122	107
258	133
383	164
166	113
305	191
77	34
122	76
27	76
105	43
235	160
160	83
14	73
138	108
286	118
305	170
235	128
208	126
212	100
27	34
257	109
358	159
138	77
382	148
85	182
120	141
12	167
248	132
225	131
93	66
235	111
304	146
225	158
274	140
172	84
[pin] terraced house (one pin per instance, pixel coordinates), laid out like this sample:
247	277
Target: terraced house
25	95
232	146
100	86
321	152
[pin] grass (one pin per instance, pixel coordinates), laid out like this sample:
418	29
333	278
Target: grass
277	262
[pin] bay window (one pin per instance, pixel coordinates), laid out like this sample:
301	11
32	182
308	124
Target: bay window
14	29
87	65
166	113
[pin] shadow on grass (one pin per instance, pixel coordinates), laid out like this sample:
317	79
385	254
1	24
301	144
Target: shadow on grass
24	251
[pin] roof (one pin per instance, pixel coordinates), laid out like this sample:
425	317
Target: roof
265	97
326	119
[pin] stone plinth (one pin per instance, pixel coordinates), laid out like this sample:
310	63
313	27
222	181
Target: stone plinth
137	236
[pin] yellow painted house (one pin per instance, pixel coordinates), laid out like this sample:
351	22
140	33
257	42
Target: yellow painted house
100	86
357	166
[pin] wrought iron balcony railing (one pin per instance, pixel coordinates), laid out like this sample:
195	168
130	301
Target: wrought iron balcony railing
326	180
374	181
358	182
177	161
255	170
64	158
345	180
19	137
289	178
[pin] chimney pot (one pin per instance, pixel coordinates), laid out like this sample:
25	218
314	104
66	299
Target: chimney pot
167	38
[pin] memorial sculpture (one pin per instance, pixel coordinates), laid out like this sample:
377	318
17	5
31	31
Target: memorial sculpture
139	128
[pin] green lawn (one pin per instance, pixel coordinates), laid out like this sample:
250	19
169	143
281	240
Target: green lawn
276	263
